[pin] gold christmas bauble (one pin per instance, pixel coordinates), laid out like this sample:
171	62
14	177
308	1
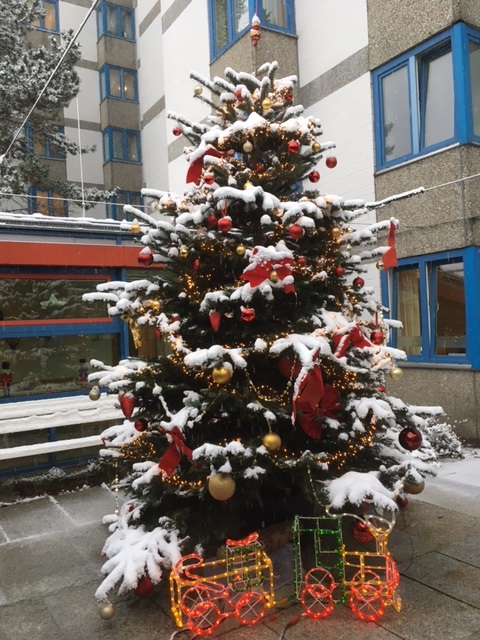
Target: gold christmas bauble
221	375
380	265
273	277
183	253
135	228
336	232
266	104
221	486
197	90
272	441
94	393
154	306
240	250
396	374
414	489
247	185
106	610
316	147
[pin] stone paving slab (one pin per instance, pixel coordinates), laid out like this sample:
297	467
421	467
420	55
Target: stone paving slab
88	505
41	517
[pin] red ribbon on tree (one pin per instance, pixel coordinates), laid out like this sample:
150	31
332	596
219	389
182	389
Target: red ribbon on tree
262	270
354	338
195	169
172	456
313	400
389	258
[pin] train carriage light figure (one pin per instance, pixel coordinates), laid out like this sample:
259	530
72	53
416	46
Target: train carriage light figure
203	594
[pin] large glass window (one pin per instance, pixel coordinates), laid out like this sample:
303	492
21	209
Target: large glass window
41	365
121	144
114	20
428	98
434	297
229	19
48	22
116	204
46	146
47	202
117	82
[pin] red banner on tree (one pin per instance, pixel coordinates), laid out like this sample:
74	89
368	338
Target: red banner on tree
172	456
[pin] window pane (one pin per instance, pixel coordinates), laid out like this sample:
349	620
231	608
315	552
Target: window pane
274	12
438	96
39	144
41	202
106	147
126	22
58	205
111	20
221	24
128	85
408	311
48	298
132	146
450	329
396	114
54	149
240	8
474	50
50	18
117	137
49	364
115	86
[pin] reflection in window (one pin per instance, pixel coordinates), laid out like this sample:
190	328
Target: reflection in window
46	298
221	24
474	53
408	311
438	98
450	328
275	12
240	9
53	364
115	86
396	114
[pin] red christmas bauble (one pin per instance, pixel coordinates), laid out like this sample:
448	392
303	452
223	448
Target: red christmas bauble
381	388
196	263
314	176
224	224
302	261
212	220
402	501
215	320
127	404
293	147
177	131
339	271
288	97
209	178
238	95
358	283
377	337
145	259
331	162
410	438
260	167
144	587
140	424
296	231
361	532
248	314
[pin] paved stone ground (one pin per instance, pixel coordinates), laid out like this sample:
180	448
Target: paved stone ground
50	561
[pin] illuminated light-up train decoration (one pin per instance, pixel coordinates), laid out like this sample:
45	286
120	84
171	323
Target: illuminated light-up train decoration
366	579
203	594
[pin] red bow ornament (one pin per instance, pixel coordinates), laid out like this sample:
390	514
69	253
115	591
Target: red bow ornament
195	169
354	338
313	400
172	456
259	270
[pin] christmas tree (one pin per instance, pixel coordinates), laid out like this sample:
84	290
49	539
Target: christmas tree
268	398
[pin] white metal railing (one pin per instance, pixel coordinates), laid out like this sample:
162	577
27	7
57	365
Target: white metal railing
34	415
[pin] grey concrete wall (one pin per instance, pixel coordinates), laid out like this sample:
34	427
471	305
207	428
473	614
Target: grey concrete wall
457	391
272	45
127	176
119	113
443	218
395	26
116	51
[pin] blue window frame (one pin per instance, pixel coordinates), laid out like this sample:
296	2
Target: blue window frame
435	297
118	83
50	21
121	145
231	19
114	20
43	145
46	201
115	206
428	98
